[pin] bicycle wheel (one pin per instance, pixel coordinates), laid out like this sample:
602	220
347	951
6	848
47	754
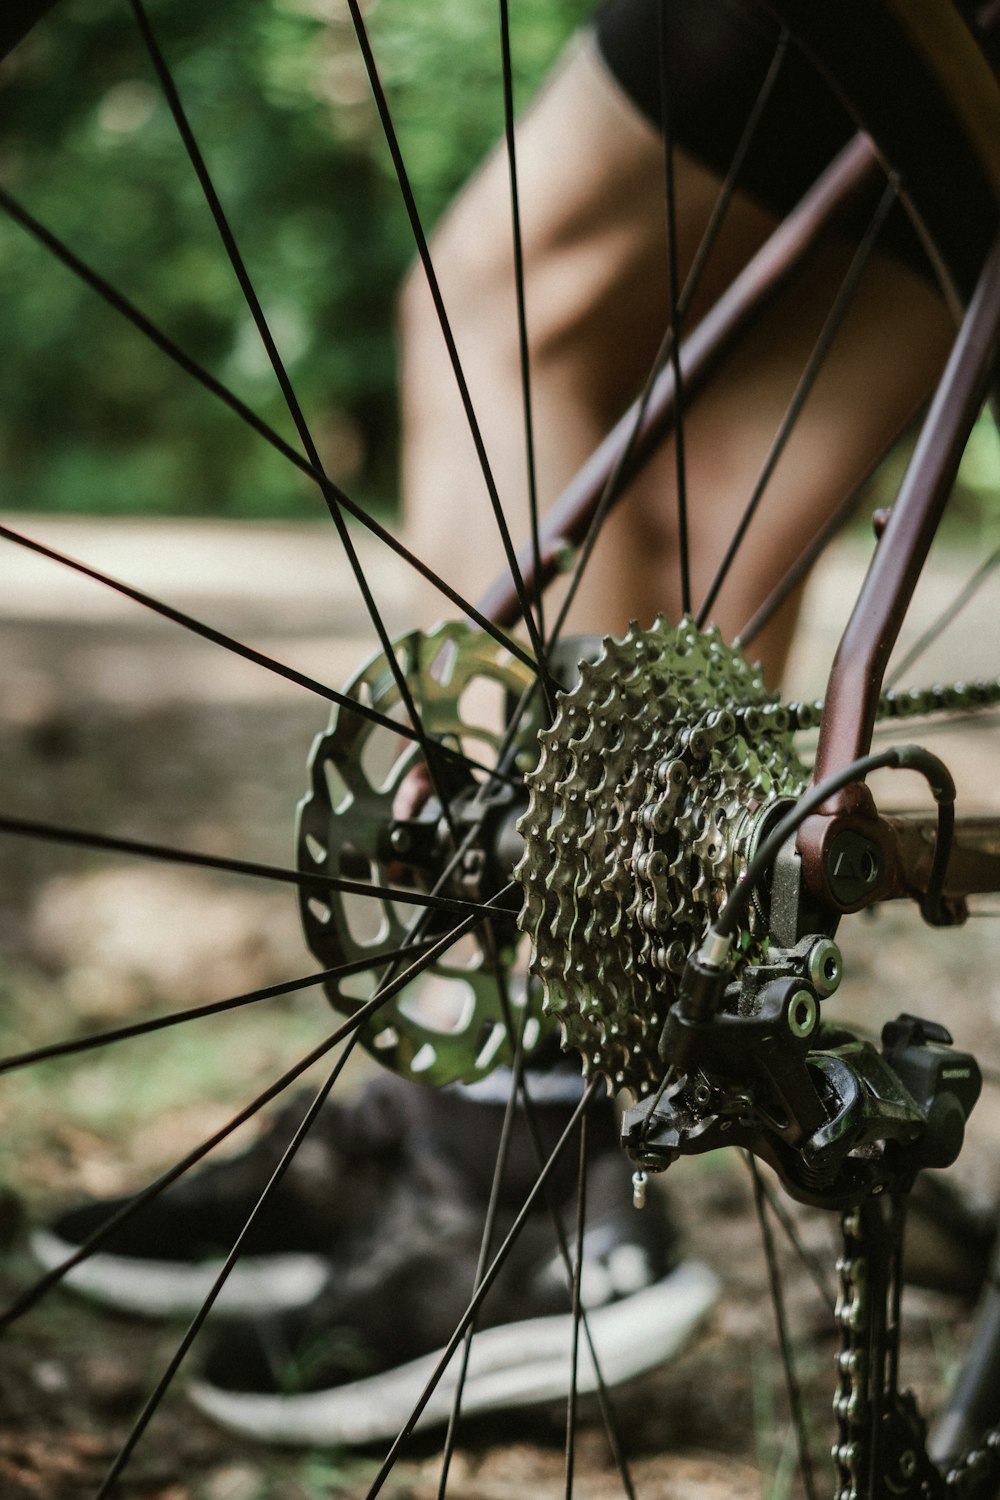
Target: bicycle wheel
406	843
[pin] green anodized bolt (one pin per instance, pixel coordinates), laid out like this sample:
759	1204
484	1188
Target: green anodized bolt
802	1013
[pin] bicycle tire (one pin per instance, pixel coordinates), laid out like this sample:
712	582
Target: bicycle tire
938	127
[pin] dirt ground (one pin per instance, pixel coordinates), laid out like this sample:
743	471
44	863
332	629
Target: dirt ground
113	719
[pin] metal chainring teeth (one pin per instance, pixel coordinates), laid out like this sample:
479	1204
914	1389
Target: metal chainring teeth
637	827
451	1024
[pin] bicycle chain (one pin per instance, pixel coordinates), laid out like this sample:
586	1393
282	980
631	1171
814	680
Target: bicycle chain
912	703
978	1471
904	1468
641	818
850	1401
881	1449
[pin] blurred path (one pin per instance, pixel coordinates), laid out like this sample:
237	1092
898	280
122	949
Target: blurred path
286	589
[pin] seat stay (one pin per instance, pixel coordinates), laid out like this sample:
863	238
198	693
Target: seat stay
855	682
645	425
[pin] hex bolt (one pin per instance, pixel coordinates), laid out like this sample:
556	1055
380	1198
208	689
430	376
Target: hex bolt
825	967
853	866
802	1012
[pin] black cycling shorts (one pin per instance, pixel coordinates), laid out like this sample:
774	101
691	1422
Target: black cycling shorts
718	54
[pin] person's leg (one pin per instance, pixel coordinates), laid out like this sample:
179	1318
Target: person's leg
879	371
591	172
591	184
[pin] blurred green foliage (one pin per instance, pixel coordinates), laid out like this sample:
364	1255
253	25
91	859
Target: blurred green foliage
92	416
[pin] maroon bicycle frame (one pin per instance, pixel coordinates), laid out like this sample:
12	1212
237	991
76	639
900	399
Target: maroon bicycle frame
855	680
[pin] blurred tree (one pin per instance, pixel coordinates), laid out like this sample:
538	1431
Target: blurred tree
92	417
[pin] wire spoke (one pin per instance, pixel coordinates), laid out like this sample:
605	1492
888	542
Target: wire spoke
811	1262
622	471
562	1243
800	569
239	267
219	638
945	618
156	1396
29	828
784	1339
604	1398
831	327
222	224
519	1084
423	251
385	992
522	321
490	1277
76	1045
581	1219
208	632
229	643
680	467
37	1290
486	1243
332	493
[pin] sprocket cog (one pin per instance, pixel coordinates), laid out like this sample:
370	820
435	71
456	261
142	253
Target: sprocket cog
642	810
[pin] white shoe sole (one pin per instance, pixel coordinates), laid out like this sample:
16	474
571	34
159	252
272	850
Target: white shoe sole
515	1364
165	1289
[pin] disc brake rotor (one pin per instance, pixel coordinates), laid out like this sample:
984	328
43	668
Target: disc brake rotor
642	811
454	1022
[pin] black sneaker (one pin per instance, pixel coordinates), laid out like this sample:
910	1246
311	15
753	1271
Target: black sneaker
164	1260
349	1368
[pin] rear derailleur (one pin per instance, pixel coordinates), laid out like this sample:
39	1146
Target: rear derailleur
838	1118
845	1124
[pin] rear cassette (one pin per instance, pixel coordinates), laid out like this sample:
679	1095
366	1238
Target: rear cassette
642	810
